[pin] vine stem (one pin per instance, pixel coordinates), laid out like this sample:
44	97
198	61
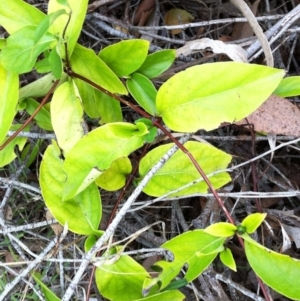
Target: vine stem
180	145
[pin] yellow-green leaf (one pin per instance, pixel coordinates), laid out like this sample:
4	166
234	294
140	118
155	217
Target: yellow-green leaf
85	62
179	170
203	97
9	87
66	115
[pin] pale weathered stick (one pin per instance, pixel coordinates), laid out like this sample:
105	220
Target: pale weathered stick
246	11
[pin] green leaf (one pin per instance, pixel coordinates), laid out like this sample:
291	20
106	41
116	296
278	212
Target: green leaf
43	66
49	295
98	104
227	259
288	87
221	229
43	118
125	57
95	152
17	14
179	170
55	63
83	212
90	242
9	86
121	280
143	91
77	10
39	87
114	177
86	63
205	96
280	272
165	296
67	115
21	52
253	221
43	26
157	62
196	248
8	154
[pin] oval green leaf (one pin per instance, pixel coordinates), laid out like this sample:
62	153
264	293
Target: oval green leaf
253	221
21	45
114	177
67	115
280	272
288	87
17	14
125	57
143	91
121	280
83	212
98	104
42	118
9	86
77	10
95	152
227	259
8	154
85	62
221	229
195	248
203	97
179	170
157	62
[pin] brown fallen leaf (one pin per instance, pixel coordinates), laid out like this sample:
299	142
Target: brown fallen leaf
176	16
276	115
143	12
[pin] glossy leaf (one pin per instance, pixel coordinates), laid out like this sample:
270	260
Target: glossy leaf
17	14
288	87
280	272
114	177
221	229
196	248
95	152
90	242
227	259
157	62
21	45
165	296
205	96
179	170
143	91
253	221
43	118
8	154
43	26
83	212
85	62
121	280
9	86
39	87
125	57
67	115
71	29
55	63
98	104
